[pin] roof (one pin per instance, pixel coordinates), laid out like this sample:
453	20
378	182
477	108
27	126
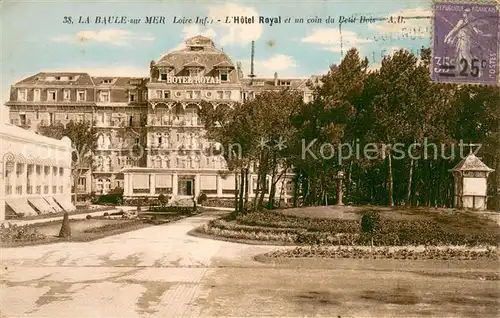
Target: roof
268	83
121	81
58	78
194	63
471	163
224	64
199	51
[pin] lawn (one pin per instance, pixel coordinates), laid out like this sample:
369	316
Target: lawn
341	226
82	230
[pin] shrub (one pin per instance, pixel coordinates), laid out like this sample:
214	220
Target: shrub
24	233
370	222
162	199
106	214
201	198
88	217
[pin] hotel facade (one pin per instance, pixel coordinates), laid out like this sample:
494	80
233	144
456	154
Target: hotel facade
150	139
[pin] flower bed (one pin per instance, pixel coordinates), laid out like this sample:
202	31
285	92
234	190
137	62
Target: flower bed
20	234
389	232
385	253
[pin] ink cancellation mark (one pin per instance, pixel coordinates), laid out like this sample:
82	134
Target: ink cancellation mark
466	43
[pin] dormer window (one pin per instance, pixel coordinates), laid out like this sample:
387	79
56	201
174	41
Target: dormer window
104	97
163	76
106	81
58	78
224	75
67	94
22	94
36	95
132	97
194	72
80	96
51	95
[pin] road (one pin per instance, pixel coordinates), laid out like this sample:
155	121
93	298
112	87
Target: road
161	271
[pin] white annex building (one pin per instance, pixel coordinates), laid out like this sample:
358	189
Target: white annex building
36	173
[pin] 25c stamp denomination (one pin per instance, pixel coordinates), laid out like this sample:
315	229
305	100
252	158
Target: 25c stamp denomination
466	43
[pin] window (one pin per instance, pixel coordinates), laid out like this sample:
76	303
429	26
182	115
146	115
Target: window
106	81
224	76
104	97
22	95
145	95
136	141
67	94
163	76
58	78
132	97
166	94
131	121
194	72
189	94
197	95
158	94
51	95
227	95
23	119
36	95
80	96
51	118
178	94
220	94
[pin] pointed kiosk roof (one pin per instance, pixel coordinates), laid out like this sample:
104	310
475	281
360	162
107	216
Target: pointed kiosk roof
471	163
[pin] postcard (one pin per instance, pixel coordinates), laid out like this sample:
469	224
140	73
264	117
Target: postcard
282	158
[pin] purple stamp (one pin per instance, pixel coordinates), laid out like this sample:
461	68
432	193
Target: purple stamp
466	43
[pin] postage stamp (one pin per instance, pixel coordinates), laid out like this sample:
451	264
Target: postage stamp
466	42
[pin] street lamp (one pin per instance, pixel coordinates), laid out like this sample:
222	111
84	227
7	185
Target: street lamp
339	177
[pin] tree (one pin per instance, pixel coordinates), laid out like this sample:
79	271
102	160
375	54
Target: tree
84	141
65	228
250	133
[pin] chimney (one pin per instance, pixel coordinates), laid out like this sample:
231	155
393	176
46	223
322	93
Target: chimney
275	78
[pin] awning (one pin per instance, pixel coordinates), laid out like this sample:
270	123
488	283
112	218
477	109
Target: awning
53	204
163	180
41	205
65	203
21	207
140	181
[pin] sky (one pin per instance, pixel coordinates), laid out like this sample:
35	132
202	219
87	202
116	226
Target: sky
35	37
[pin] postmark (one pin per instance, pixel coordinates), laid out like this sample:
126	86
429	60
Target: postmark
466	42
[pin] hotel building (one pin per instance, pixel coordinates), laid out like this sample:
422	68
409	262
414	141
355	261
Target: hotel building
149	137
36	173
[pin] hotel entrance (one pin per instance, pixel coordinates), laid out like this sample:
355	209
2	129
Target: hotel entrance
186	185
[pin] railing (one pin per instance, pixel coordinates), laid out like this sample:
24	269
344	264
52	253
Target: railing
140	190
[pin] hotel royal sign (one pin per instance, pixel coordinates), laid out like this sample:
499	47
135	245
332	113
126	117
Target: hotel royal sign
193	80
